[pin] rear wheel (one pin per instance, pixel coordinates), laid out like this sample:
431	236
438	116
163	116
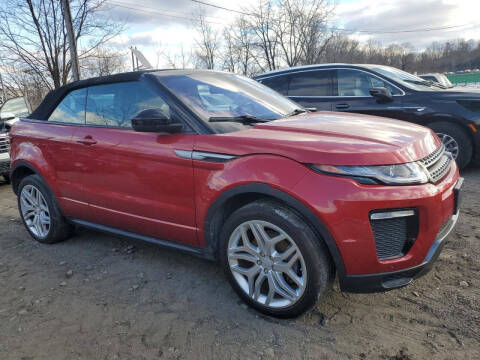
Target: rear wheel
273	259
40	212
7	178
456	141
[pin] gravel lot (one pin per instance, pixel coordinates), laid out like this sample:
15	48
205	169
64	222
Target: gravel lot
99	297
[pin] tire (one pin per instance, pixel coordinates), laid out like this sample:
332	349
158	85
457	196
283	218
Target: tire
448	131
31	192
7	179
309	260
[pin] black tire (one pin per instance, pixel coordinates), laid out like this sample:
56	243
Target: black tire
465	145
318	266
7	178
59	229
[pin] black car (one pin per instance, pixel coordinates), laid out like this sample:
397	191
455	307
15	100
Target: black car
454	114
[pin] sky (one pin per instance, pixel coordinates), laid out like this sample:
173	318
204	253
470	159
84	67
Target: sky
166	25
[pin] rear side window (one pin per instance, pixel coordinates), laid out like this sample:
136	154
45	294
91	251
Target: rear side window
114	105
71	109
277	83
311	83
352	82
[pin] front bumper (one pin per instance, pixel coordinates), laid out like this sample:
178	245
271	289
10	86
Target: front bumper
395	279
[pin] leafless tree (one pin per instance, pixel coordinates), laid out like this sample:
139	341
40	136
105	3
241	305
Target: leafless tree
285	33
104	61
208	43
179	58
239	53
261	22
302	30
33	36
21	82
230	53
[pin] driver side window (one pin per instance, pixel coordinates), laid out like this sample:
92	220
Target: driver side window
377	82
114	105
358	83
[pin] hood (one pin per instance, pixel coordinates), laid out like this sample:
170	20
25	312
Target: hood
329	138
457	92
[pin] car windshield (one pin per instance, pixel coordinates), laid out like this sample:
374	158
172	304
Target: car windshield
229	102
409	80
445	81
16	106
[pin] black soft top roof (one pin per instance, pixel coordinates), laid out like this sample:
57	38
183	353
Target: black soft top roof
43	111
53	98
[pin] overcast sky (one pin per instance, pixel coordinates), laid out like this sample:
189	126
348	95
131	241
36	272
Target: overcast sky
167	24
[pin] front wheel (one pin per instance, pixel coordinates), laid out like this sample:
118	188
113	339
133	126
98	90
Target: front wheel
273	259
456	141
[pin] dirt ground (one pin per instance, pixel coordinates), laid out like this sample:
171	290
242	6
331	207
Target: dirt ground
99	297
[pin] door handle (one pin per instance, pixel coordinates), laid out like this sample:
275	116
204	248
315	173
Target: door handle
87	140
342	106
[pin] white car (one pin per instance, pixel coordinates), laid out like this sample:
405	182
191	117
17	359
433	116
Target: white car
10	111
438	78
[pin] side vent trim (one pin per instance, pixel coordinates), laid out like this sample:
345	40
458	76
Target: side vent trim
204	156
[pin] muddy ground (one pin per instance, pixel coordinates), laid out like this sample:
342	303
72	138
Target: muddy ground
99	297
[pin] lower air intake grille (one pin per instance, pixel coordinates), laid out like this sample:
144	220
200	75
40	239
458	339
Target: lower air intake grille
394	236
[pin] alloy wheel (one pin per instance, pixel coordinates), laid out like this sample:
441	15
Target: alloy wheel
450	143
267	264
35	211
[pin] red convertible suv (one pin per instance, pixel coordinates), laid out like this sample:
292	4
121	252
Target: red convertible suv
220	166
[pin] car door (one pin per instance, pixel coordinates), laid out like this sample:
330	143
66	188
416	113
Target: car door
312	88
58	148
133	180
353	94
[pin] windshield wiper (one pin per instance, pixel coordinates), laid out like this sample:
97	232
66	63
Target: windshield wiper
296	112
244	119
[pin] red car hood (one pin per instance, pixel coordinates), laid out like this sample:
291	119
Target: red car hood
329	138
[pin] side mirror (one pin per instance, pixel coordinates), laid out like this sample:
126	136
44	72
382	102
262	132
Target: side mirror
382	94
154	120
7	116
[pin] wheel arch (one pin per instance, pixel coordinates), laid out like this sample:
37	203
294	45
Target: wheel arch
463	125
20	170
236	197
460	123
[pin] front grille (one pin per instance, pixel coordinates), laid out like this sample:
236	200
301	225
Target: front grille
437	164
4	143
394	237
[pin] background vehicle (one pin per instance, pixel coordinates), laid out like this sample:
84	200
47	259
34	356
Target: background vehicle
454	114
10	111
217	165
439	79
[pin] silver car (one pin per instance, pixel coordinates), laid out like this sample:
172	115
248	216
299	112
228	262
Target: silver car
10	111
438	78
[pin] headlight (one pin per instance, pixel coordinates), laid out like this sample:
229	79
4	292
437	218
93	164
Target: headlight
400	174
